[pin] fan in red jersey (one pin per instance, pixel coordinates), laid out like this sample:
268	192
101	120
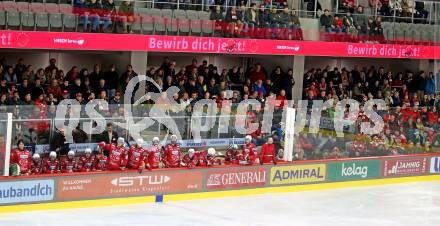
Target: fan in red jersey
37	165
100	163
21	160
358	147
136	155
231	155
69	164
52	165
268	154
171	157
250	153
117	159
86	163
153	155
191	159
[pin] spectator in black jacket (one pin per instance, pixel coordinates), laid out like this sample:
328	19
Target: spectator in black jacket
111	80
58	143
109	136
326	21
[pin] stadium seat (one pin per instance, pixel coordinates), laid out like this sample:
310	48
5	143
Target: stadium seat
203	15
167	13
55	21
2	18
143	11
69	21
184	25
42	21
66	9
147	24
196	26
159	24
27	21
179	14
9	6
208	27
136	27
192	15
13	19
52	8
23	7
172	25
399	33
37	7
154	11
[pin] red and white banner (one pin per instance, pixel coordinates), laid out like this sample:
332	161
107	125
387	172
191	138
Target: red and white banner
128	184
155	43
405	167
236	178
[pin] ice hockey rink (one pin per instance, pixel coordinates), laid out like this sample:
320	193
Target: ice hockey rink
399	204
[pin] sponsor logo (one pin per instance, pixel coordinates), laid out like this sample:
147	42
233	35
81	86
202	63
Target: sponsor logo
235	178
404	167
353	170
129	184
79	41
297	174
435	165
26	191
140	180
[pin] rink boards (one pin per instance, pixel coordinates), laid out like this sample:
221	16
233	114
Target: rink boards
115	188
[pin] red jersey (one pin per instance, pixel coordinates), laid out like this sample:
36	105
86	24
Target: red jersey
135	157
51	166
231	156
171	156
100	163
86	164
37	167
191	162
23	159
267	154
153	157
358	146
249	153
117	157
69	166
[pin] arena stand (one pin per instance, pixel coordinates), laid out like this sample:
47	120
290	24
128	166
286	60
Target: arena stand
49	56
289	20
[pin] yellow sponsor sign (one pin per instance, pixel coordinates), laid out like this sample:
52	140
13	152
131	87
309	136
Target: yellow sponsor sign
297	174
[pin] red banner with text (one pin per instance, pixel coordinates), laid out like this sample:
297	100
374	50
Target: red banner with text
123	185
236	178
156	43
405	167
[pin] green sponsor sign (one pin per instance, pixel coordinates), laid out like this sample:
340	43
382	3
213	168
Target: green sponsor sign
353	170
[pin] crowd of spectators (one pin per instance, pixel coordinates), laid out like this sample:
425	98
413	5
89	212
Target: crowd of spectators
36	93
411	117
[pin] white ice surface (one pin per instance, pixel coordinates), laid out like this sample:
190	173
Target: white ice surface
388	205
